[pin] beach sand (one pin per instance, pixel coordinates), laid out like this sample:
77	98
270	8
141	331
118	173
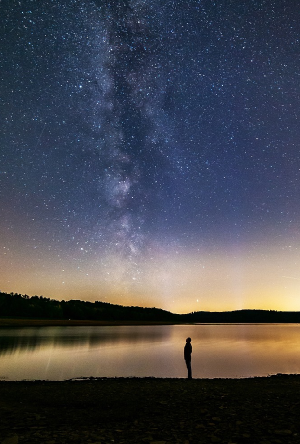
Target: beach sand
151	410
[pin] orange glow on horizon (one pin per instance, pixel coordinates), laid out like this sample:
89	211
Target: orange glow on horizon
224	280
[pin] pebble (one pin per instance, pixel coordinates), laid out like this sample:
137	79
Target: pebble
11	440
158	442
283	432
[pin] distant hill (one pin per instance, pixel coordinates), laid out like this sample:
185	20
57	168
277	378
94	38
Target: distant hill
15	305
244	316
38	307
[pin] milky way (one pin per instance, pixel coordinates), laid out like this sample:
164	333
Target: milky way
150	152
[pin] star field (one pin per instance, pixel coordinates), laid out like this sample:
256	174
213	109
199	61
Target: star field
150	152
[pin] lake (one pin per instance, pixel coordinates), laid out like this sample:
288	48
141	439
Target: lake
219	351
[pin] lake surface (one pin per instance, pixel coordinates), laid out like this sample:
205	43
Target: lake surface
219	351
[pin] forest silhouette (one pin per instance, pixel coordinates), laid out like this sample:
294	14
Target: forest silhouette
16	305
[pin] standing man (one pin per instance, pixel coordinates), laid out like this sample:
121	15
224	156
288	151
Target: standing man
188	356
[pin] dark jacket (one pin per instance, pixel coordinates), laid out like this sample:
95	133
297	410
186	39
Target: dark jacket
187	351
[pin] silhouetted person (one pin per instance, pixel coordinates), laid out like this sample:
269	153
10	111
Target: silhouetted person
188	356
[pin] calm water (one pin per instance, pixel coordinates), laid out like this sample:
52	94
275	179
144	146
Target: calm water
235	351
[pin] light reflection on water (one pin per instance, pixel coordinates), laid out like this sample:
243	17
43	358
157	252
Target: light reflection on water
219	350
37	337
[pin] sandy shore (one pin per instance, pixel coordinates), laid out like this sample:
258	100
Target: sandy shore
150	410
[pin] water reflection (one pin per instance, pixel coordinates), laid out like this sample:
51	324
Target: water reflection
59	353
29	339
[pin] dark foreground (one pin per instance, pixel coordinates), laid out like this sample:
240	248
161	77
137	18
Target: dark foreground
258	410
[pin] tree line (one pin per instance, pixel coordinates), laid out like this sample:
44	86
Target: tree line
16	305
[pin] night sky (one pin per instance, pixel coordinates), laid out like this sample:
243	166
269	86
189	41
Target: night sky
150	152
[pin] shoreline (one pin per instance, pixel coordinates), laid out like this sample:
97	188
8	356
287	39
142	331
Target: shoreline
14	322
151	410
94	379
83	379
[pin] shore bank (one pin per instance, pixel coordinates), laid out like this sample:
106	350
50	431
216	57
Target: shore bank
71	323
150	410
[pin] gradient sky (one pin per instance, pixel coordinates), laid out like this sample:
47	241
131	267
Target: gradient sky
150	152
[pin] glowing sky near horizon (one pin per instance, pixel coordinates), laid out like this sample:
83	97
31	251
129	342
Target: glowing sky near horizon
150	152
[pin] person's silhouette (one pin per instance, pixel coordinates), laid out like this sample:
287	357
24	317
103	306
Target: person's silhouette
188	356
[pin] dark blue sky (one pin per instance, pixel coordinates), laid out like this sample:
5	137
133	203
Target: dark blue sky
144	141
